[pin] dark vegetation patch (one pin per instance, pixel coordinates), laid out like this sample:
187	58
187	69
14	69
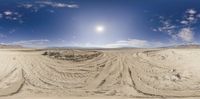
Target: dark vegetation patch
72	55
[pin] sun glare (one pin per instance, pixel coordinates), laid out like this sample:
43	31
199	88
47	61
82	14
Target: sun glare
100	29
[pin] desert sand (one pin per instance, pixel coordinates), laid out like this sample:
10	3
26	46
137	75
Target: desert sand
100	74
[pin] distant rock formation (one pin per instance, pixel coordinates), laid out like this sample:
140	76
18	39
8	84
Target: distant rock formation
4	46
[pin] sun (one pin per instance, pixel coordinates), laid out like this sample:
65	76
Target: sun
99	29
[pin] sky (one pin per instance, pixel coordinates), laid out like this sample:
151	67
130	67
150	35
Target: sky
99	23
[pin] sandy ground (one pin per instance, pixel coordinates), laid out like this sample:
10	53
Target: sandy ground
115	74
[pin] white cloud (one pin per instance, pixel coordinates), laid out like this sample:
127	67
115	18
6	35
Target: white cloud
37	5
8	13
155	30
41	4
58	4
32	43
190	17
184	30
73	6
14	18
27	5
184	22
191	11
186	34
167	27
11	15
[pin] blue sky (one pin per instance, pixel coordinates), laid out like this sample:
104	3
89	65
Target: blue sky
123	23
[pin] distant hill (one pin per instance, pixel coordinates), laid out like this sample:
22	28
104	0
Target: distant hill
184	46
90	48
3	46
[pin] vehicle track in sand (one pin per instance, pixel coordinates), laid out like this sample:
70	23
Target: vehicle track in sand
130	73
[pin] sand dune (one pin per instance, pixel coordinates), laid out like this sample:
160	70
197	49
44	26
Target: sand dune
118	74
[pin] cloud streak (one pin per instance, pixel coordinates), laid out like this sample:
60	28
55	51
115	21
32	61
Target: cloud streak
137	43
32	43
37	5
57	4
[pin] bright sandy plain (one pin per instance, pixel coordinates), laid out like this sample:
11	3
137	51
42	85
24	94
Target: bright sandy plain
114	74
